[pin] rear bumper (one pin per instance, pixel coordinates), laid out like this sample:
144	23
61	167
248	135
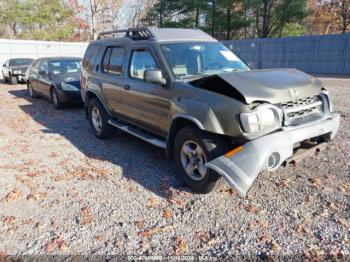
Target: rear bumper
241	169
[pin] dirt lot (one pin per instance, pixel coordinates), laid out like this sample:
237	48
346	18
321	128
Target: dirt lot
62	191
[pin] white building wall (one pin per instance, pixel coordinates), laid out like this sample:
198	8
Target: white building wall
37	49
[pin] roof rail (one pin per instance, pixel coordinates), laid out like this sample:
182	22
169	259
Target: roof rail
133	33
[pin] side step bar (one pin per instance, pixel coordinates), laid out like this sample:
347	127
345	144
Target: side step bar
146	136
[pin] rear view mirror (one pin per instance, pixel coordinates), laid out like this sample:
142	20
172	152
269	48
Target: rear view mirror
154	76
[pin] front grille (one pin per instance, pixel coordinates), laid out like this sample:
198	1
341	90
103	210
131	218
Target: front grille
302	107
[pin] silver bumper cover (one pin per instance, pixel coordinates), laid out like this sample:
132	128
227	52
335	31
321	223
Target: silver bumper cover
241	169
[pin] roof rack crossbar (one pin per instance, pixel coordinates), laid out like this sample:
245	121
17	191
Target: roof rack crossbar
134	33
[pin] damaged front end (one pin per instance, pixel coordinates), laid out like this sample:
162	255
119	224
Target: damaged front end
291	108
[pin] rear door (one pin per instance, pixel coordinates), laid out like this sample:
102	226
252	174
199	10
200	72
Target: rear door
112	76
142	102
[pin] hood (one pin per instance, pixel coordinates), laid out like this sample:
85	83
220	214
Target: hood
20	67
70	78
273	86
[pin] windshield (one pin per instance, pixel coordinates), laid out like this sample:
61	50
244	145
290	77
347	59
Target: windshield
19	62
189	60
65	67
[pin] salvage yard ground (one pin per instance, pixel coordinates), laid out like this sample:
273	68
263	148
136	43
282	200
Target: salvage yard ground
62	191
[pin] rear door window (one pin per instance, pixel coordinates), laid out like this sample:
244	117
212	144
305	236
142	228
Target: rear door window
90	54
113	60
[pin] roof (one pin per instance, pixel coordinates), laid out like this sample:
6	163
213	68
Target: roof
158	35
59	58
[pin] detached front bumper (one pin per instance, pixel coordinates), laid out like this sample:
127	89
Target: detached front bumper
241	169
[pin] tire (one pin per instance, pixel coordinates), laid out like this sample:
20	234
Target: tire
98	119
13	80
55	99
211	146
31	91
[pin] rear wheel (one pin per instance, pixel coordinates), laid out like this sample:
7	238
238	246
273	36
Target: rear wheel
98	119
192	150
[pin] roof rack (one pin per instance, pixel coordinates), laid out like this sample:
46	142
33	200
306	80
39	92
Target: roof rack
133	33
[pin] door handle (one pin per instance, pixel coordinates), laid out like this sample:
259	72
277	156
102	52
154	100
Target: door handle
126	87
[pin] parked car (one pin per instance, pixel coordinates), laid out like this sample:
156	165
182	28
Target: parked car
14	69
55	78
181	90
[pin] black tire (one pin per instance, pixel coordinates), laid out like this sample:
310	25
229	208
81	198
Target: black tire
212	146
13	80
103	130
31	91
55	99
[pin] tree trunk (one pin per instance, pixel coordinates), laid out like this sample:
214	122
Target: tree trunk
197	16
228	21
213	18
266	18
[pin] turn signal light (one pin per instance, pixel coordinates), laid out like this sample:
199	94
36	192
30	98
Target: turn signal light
234	151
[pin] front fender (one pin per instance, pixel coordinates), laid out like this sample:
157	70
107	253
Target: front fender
199	113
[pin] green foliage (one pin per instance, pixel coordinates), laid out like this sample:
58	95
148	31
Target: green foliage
293	29
38	19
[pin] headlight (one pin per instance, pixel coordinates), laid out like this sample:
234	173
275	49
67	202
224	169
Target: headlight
265	118
68	87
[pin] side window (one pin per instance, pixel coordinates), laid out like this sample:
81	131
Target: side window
113	60
35	67
44	66
140	61
90	54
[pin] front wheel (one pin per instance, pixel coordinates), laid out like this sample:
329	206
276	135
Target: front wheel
31	91
98	119
55	100
192	150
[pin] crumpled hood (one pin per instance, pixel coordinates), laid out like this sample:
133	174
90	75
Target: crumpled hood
273	86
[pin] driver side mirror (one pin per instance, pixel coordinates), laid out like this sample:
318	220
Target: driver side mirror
42	72
154	76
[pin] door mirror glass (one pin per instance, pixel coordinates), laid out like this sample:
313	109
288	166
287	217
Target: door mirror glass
42	72
154	76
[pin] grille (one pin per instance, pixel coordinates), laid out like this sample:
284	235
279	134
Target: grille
302	107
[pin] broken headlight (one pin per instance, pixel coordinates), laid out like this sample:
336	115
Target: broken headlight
264	119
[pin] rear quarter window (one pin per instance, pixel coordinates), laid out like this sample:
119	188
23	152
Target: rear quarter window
89	60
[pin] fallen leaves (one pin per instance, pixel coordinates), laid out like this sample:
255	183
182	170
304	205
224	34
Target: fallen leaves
252	209
56	243
8	220
180	246
86	215
12	196
167	214
315	181
258	224
36	196
152	202
155	230
140	224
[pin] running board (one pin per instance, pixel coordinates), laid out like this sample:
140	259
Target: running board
138	133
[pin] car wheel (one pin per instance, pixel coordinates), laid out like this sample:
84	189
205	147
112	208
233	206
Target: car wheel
13	80
55	100
98	119
192	150
31	91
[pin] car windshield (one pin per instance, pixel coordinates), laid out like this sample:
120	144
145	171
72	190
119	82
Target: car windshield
19	62
65	67
188	60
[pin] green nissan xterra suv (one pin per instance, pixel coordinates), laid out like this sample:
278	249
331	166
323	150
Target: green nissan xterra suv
182	90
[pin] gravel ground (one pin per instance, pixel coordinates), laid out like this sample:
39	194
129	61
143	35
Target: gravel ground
62	191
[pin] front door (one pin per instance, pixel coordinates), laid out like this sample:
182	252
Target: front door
142	102
43	80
